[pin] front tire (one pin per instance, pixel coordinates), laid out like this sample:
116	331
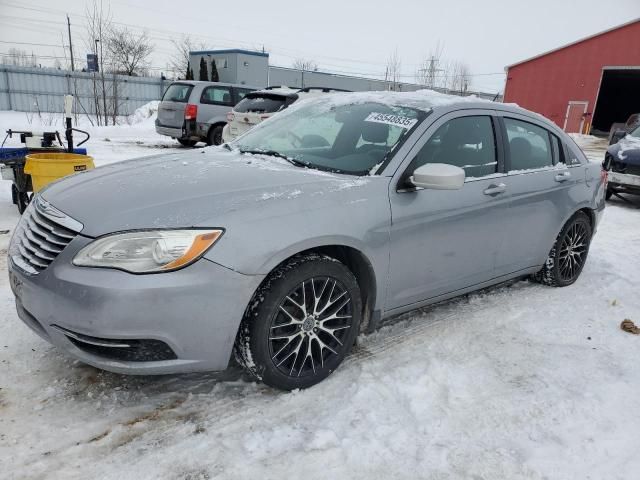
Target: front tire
301	323
569	253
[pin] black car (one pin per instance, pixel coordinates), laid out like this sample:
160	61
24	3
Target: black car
622	161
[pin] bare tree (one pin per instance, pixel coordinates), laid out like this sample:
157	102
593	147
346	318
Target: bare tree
305	65
129	52
179	61
459	77
392	71
440	73
20	58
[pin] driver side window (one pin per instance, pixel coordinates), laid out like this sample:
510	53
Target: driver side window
466	142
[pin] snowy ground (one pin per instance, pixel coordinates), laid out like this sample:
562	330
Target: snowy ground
521	381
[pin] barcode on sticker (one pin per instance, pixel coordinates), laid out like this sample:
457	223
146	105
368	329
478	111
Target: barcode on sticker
389	119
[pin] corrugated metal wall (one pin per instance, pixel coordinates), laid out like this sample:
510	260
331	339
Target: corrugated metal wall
28	89
42	89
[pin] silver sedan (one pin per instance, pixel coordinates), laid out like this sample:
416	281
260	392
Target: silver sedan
286	244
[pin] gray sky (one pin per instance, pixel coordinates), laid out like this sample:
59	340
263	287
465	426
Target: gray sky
342	36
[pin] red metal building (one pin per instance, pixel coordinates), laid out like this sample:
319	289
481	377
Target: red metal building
584	86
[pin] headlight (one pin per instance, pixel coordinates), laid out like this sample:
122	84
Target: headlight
147	251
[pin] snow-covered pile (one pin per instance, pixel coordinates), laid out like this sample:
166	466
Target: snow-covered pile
145	114
520	382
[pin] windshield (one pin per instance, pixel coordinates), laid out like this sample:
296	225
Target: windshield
635	133
354	138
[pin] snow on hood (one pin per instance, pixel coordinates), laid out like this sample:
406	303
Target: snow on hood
197	188
626	145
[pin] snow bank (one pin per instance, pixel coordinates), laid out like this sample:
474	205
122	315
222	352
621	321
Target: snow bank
145	114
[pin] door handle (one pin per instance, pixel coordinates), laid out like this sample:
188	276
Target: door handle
563	177
495	189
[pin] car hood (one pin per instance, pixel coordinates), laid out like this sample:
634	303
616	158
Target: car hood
198	188
627	150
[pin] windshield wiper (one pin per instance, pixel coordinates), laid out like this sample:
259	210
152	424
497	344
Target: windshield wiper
274	153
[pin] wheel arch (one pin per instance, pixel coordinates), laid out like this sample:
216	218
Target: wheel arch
357	262
591	214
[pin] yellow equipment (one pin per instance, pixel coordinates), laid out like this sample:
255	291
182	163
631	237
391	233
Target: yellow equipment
45	168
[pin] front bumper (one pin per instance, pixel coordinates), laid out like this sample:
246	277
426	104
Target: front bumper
195	312
624	183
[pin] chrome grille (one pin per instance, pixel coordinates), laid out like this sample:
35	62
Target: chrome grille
41	235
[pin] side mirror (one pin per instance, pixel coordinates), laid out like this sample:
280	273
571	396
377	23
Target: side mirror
617	136
438	176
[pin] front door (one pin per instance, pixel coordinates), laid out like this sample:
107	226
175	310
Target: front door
445	240
574	120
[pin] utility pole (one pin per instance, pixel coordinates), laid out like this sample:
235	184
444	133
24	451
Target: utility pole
70	45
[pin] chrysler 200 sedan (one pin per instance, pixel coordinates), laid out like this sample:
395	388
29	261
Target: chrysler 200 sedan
284	245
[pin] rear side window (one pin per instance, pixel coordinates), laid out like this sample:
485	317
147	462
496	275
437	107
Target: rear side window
466	142
216	96
177	92
261	103
529	145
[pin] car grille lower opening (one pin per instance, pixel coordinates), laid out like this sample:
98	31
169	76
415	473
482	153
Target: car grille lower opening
39	241
127	350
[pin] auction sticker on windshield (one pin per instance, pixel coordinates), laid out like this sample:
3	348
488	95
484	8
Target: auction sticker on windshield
395	120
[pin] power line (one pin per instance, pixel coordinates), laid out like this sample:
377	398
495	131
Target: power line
29	43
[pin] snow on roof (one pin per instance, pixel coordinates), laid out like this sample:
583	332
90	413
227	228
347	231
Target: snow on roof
420	99
573	43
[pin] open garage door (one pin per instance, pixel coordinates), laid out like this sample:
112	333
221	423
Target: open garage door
619	97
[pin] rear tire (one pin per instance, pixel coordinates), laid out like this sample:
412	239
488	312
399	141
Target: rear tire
300	323
215	135
187	143
569	253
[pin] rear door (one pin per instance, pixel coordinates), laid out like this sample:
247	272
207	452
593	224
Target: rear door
542	178
171	108
446	240
215	102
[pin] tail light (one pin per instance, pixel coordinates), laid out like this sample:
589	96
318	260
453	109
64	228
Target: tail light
230	117
604	176
190	111
264	117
